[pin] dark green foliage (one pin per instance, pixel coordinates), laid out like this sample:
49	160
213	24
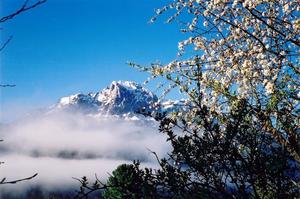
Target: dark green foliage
237	160
128	181
208	160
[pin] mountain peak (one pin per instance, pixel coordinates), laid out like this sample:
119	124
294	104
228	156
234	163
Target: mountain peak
125	97
120	97
126	84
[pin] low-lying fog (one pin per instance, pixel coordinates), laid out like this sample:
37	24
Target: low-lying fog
61	146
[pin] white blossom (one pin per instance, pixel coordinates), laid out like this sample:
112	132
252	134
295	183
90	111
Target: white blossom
270	88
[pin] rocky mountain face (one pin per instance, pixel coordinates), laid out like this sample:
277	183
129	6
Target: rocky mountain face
125	97
120	98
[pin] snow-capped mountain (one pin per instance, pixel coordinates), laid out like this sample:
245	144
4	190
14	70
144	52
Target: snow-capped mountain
78	102
125	99
120	98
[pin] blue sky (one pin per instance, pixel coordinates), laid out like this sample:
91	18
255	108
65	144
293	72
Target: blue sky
68	46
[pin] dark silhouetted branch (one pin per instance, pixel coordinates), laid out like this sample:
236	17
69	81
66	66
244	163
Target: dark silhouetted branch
5	43
7	85
16	181
24	8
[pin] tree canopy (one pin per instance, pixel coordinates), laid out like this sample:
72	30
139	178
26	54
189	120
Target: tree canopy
238	136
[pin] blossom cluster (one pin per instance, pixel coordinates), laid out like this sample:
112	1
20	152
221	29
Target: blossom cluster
243	49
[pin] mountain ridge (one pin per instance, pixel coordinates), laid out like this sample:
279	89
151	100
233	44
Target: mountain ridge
123	99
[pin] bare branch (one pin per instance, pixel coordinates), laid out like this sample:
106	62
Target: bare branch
24	8
16	181
7	85
5	43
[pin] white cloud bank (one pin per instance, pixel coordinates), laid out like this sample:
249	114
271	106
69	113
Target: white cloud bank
62	146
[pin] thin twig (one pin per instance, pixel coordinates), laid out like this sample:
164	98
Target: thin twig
5	43
7	85
16	181
22	9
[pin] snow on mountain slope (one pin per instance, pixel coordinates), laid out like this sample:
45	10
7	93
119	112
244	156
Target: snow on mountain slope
78	102
124	99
